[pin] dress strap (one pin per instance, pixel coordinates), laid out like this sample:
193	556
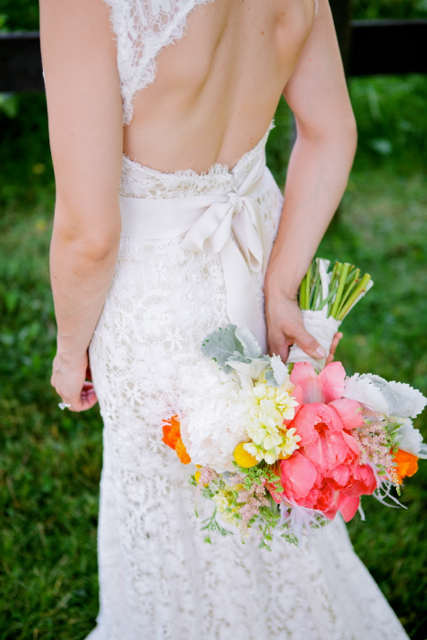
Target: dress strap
142	29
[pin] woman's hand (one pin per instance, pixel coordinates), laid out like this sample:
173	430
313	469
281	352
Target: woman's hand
69	381
285	327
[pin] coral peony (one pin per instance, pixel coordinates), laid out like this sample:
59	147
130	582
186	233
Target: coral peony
323	437
298	476
325	474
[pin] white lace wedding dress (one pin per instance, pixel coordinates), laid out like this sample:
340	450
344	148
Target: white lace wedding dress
158	579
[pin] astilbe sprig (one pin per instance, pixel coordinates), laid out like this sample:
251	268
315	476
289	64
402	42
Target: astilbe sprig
376	441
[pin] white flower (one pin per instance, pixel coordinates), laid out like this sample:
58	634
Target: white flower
391	398
217	413
212	414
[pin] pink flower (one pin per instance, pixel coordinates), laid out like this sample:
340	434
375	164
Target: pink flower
325	387
325	473
327	500
349	411
348	506
298	476
363	481
323	439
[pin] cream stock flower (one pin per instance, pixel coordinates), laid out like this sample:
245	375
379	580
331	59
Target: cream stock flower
266	409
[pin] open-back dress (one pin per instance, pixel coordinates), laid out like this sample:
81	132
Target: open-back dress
158	579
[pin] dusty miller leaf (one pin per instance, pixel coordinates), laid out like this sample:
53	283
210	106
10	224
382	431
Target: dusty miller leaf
220	345
270	379
251	348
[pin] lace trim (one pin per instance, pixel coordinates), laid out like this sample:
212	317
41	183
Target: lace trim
139	181
143	28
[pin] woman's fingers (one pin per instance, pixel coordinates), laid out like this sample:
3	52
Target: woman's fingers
69	381
285	327
334	345
85	400
88	397
295	334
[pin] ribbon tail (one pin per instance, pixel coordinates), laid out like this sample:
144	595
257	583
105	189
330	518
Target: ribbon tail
242	304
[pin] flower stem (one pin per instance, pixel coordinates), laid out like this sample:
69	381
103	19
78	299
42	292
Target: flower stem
358	291
352	282
343	277
307	286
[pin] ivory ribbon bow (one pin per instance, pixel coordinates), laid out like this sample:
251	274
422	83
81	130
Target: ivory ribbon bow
211	222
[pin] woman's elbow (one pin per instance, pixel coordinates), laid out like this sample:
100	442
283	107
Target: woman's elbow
93	243
331	128
350	134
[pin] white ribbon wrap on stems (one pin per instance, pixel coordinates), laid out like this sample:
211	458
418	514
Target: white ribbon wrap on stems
323	329
210	223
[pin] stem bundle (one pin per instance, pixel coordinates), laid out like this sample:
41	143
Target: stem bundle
335	291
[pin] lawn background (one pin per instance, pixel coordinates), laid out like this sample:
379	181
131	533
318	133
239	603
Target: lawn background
50	461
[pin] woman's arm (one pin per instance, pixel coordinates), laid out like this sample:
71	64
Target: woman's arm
318	171
86	138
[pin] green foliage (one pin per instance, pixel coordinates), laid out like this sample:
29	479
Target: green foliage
9	104
20	15
26	165
234	347
222	344
390	113
394	9
212	525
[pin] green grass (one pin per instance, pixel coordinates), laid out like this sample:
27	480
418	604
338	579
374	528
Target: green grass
382	229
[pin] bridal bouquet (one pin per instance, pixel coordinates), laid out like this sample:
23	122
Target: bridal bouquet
285	447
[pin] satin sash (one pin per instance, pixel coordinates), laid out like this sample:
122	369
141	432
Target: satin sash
210	222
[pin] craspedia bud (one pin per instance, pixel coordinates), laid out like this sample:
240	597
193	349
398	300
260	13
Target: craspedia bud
243	458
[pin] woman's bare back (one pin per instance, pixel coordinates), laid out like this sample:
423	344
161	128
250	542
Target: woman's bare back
216	89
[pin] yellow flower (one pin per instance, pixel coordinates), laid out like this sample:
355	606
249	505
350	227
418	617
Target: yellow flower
197	476
243	458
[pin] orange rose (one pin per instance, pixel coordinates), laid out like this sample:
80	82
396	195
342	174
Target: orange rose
407	465
172	437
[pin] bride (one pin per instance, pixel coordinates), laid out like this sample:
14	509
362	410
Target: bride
159	112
